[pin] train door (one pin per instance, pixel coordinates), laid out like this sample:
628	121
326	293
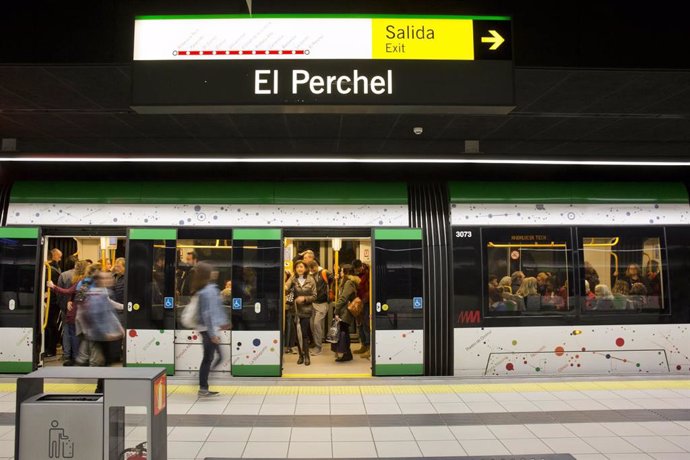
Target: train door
150	298
398	302
211	246
257	286
19	270
336	250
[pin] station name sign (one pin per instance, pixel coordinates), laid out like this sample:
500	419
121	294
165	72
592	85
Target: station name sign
325	63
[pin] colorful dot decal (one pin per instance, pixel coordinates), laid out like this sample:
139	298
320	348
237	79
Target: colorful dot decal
510	367
559	351
256	342
132	333
620	342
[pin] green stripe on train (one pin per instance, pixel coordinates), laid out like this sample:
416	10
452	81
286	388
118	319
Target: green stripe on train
568	192
398	369
397	234
19	232
256	234
152	234
255	370
169	368
210	192
16	367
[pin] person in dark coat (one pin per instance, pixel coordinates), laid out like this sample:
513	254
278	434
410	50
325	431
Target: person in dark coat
52	330
304	288
348	291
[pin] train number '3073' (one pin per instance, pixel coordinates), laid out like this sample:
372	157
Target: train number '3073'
463	234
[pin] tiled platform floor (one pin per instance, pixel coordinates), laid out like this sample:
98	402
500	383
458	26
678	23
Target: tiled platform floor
592	419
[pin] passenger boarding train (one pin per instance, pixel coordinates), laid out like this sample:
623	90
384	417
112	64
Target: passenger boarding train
481	279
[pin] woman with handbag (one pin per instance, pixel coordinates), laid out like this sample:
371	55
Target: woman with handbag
303	286
348	293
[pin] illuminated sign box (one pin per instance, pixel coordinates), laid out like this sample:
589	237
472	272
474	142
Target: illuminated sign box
385	64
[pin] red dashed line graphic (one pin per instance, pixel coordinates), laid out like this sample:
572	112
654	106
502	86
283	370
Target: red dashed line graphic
238	52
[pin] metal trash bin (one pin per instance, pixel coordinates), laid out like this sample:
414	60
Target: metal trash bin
61	426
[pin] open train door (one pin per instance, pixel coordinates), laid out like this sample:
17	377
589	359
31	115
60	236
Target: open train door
150	298
19	318
257	286
398	305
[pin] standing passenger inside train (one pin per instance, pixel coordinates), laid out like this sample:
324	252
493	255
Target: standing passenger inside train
70	339
516	281
638	297
589	297
52	332
303	287
322	278
633	275
65	281
653	284
361	270
348	291
620	295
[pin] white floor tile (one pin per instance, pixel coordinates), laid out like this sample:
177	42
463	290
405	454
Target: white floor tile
398	449
484	447
382	409
354	433
526	446
656	403
520	406
311	434
672	456
570	395
628	429
266	450
443	397
665	428
476	397
222	449
183	449
634	456
229	434
432	433
569	446
652	444
471	432
682	441
392	433
509	396
206	408
277	409
451	408
550	430
354	449
242	409
621	404
441	448
348	409
417	408
511	432
586	430
310	450
270	434
485	406
587	404
189	433
590	456
312	409
540	396
548	406
611	445
411	398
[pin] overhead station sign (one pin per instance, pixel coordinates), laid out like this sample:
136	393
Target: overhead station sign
312	64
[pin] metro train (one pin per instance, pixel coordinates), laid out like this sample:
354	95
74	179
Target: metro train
467	279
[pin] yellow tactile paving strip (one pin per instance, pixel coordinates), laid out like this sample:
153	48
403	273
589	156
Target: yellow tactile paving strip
285	390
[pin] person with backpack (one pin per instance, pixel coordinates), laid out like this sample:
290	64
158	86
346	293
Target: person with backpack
348	292
323	279
211	318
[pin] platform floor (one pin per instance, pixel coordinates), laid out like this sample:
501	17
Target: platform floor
604	418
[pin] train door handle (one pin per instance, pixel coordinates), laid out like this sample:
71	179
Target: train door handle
257	307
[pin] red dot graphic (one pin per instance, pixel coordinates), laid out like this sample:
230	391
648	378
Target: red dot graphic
620	342
510	366
132	332
559	351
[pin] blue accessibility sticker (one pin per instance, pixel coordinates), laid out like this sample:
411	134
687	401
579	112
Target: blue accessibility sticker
237	303
417	303
168	302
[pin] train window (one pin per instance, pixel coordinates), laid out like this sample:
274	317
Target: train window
528	271
623	270
17	274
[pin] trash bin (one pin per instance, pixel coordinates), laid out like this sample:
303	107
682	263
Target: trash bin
62	426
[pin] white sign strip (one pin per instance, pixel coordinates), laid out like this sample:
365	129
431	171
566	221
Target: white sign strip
235	38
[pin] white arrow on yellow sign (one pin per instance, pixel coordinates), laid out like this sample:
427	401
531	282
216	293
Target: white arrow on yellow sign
496	39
